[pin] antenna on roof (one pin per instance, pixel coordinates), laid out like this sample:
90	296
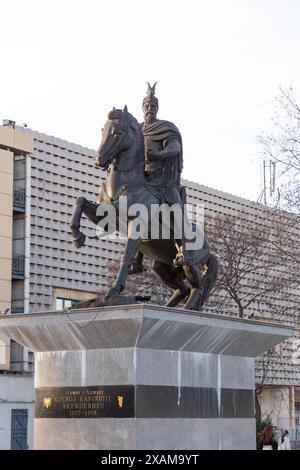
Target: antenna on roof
268	181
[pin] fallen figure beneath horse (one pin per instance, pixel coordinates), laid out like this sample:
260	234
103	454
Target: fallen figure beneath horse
122	151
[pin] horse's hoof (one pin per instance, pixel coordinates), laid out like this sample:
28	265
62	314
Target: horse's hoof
177	296
80	241
194	300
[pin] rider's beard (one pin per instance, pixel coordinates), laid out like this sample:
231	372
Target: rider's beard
150	117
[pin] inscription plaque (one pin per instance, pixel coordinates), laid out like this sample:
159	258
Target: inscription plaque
109	401
143	401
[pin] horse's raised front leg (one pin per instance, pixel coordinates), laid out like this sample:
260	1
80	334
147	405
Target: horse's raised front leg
89	208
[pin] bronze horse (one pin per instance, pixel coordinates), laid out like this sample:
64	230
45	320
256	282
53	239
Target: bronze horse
122	148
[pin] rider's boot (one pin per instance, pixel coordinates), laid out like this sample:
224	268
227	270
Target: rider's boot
183	256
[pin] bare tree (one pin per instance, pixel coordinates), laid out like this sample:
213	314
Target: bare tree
259	273
272	366
255	272
283	147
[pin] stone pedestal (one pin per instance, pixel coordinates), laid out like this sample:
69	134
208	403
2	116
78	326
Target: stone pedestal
143	377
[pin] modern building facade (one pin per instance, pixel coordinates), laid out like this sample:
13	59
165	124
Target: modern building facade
16	363
40	179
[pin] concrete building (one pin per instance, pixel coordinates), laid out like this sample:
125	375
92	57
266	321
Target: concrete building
16	364
48	174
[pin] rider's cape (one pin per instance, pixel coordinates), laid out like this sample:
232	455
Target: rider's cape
169	177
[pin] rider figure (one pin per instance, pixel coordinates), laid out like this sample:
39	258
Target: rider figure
163	165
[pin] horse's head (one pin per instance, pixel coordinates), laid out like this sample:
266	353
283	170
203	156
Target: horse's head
116	137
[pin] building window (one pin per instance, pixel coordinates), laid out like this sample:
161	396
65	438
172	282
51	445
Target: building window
61	304
297	414
19	423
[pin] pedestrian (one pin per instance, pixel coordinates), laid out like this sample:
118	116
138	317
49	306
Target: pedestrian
285	441
267	440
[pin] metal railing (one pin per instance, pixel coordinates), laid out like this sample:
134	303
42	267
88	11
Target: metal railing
19	199
18	267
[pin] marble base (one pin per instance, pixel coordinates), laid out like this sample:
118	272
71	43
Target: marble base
143	377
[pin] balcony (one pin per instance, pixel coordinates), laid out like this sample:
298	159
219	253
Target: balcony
19	200
18	267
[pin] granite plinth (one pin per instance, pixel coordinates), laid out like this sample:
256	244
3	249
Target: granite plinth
143	377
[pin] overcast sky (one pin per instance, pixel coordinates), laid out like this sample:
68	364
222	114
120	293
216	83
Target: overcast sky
218	63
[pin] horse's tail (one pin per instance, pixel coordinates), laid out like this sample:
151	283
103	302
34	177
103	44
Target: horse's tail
209	279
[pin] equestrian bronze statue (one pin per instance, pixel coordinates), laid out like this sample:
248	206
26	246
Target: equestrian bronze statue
144	164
